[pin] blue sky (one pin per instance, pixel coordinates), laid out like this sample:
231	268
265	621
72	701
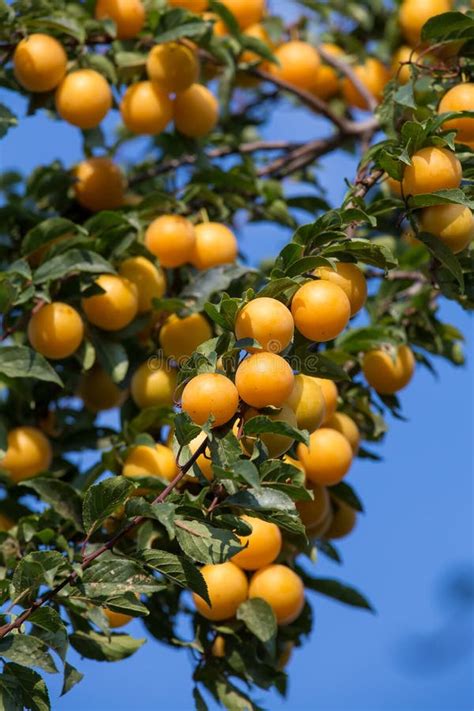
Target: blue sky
416	537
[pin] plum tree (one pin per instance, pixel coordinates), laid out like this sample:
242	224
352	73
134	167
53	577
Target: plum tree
115	306
264	380
267	321
282	589
321	310
236	391
210	395
83	98
39	62
56	330
262	546
227	587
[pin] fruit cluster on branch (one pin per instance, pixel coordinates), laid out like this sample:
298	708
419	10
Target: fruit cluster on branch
221	406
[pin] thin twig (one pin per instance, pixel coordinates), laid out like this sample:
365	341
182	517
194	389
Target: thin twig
318	105
302	156
345	68
190	159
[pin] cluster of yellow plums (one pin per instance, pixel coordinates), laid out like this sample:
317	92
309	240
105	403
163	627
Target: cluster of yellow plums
171	92
433	169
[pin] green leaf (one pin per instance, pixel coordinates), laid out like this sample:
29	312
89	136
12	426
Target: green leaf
51	629
233	698
36	568
23	362
206	544
369	338
105	648
102	500
337	590
177	23
442	197
27	650
178	569
117	576
262	424
62	497
184	429
346	493
30	686
128	604
111	355
265	499
199	702
448	26
366	251
7	120
259	619
71	677
320	366
47	231
163	513
443	255
247	471
58	23
75	261
212	281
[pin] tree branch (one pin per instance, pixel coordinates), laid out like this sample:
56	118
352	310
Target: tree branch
344	125
345	68
190	159
302	156
88	560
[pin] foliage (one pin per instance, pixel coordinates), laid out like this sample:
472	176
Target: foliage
94	537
